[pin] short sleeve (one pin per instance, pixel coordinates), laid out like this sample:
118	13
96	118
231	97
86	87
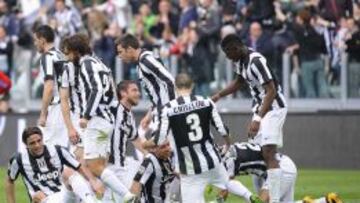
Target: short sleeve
13	168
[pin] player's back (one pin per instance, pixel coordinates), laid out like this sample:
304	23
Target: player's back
189	120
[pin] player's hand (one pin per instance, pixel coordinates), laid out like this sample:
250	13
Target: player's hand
216	97
42	120
145	121
73	136
253	128
38	197
83	123
98	188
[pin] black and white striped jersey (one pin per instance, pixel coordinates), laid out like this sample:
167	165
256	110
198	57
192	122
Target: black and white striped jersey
125	129
245	158
257	73
42	173
70	80
51	64
154	174
189	119
156	79
97	91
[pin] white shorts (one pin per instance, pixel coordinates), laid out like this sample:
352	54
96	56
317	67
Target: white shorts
193	186
55	132
271	128
288	179
125	175
97	138
60	197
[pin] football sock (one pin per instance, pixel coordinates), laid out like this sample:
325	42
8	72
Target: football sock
274	176
82	188
109	179
239	189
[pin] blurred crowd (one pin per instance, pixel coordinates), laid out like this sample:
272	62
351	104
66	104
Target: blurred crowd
186	35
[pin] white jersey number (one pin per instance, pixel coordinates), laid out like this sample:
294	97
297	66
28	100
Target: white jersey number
194	121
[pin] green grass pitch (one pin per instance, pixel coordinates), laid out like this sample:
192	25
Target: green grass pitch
315	183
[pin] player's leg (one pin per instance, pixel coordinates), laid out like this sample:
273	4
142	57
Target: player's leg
271	138
219	177
329	198
237	188
78	185
55	132
96	142
193	187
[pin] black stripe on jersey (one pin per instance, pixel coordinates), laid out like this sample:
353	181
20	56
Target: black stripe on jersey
122	139
63	160
77	84
261	69
163	77
148	189
209	160
181	160
195	160
254	74
279	101
93	91
156	87
215	150
257	95
164	172
37	170
111	157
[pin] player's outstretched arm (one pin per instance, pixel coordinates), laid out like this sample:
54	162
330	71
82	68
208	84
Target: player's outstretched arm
135	188
10	190
231	88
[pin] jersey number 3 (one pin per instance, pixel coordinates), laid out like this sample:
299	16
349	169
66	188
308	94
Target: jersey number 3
193	121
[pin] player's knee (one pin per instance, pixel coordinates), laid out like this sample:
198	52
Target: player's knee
269	154
96	166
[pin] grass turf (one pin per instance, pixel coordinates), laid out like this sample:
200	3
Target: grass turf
315	183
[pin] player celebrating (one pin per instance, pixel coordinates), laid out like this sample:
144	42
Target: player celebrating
155	78
125	129
51	66
269	104
95	117
42	167
197	160
154	175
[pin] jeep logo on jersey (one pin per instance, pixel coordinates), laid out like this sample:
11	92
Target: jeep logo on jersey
46	176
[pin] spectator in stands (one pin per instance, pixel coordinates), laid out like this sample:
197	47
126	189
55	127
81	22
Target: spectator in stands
333	10
260	41
310	46
166	18
197	59
6	52
68	19
9	21
188	14
353	48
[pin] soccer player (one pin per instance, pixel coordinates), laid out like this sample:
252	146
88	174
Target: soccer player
154	175
95	117
51	67
269	106
189	119
247	158
125	130
42	169
155	78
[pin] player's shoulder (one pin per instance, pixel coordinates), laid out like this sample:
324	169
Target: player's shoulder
15	157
